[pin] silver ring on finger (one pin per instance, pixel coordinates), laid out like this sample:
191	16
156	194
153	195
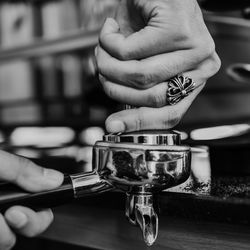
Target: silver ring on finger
179	87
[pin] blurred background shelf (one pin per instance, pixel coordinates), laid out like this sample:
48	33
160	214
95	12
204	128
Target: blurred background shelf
79	40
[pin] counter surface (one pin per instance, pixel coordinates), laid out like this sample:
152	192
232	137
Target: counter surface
100	223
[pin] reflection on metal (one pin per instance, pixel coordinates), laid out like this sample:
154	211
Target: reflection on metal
200	167
154	137
131	166
89	184
219	132
41	136
199	182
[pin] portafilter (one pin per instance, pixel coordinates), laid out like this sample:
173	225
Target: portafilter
139	163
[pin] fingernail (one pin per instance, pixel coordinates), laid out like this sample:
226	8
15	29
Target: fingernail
116	126
16	218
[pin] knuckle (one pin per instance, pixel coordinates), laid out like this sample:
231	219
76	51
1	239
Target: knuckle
210	45
121	51
138	124
172	119
124	53
100	65
140	80
185	32
157	100
216	63
26	173
213	65
37	227
110	92
155	6
139	121
206	46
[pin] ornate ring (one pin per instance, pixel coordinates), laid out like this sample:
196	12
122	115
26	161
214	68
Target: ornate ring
178	88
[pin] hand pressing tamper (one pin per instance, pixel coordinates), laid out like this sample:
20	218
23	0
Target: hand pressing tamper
139	163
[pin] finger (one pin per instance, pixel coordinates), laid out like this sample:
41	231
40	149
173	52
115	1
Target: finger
27	222
148	72
148	41
7	237
155	96
152	97
150	118
27	174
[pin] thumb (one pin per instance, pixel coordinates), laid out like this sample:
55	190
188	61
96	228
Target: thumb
142	119
26	174
146	118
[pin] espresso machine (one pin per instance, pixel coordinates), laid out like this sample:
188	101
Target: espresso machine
141	163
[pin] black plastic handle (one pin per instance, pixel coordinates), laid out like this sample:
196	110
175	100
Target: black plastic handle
11	195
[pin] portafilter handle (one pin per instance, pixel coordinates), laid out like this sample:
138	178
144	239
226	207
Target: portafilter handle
73	186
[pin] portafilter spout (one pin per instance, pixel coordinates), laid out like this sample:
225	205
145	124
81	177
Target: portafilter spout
140	211
139	163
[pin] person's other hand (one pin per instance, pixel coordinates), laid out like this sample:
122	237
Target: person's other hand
150	42
33	178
